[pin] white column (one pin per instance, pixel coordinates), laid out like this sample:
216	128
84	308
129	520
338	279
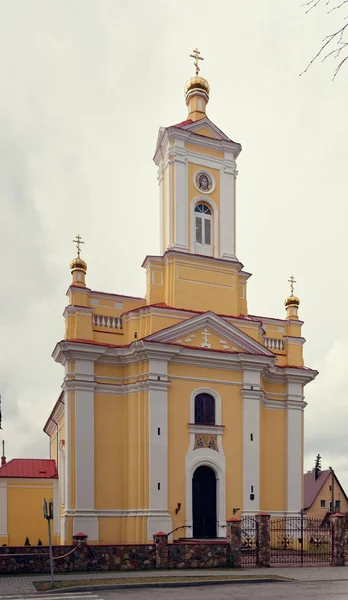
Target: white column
159	517
85	519
67	467
3	508
180	197
168	200
160	185
252	396
294	447
227	208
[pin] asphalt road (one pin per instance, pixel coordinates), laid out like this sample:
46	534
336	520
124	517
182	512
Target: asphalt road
304	590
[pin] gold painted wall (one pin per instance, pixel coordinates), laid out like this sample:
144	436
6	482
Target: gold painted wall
273	460
24	511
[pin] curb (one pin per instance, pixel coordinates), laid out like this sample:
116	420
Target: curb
158	584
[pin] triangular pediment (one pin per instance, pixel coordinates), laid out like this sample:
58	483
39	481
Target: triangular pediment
207	128
209	331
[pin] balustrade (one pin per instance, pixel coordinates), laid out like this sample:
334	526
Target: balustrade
110	322
274	344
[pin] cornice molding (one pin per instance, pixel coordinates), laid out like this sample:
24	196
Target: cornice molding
296	341
72	309
173	254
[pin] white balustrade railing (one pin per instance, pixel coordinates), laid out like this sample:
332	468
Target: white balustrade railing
111	322
274	344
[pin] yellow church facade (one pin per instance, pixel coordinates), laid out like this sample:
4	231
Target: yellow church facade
179	409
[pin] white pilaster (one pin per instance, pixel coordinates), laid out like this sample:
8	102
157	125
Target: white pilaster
161	200
84	439
227	208
294	447
252	396
180	241
86	519
168	200
159	518
3	508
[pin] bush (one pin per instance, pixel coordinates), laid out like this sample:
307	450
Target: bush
39	542
27	543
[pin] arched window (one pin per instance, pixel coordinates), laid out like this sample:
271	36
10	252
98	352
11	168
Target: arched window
203	216
204	409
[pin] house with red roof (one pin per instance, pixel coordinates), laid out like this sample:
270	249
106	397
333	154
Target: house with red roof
24	483
323	494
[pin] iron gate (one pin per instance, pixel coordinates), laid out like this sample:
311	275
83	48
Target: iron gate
248	542
300	540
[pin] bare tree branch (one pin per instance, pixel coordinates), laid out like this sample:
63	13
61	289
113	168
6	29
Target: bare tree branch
336	37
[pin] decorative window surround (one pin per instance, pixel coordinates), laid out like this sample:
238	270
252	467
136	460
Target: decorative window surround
206	429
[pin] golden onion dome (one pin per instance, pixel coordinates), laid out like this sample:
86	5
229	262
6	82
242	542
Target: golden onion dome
292	301
197	84
78	265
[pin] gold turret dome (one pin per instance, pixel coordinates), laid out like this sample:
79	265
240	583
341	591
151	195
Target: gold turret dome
197	84
78	264
292	301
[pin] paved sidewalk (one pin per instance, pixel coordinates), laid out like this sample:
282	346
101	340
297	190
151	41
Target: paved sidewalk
23	584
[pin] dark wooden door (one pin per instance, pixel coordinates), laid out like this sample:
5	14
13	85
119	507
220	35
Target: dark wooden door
204	503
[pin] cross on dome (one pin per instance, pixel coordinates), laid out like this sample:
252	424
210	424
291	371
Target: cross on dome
196	56
78	242
292	281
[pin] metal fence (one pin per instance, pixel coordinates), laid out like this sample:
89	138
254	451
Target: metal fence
300	540
249	541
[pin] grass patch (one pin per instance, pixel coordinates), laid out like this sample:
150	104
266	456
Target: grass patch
44	586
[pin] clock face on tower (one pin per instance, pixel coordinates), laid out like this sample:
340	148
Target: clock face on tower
203	182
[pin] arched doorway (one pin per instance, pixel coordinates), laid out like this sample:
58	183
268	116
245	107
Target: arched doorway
204	503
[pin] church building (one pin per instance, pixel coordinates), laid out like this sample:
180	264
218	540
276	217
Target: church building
180	409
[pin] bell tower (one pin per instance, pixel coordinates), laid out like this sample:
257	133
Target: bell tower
197	187
197	180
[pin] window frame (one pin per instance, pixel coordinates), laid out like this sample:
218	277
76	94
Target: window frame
206	410
204	217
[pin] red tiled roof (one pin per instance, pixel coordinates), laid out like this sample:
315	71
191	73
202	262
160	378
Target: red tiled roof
183	123
30	468
313	486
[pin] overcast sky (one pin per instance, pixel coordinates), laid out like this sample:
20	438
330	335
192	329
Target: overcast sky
84	87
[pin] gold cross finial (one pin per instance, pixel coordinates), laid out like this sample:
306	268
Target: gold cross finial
78	242
292	281
196	56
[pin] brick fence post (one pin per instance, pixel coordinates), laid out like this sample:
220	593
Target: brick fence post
337	531
263	540
80	556
160	540
233	536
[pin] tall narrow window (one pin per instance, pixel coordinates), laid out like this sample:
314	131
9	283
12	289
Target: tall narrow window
204	409
203	224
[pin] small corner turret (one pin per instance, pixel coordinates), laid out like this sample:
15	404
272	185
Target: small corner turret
292	303
78	266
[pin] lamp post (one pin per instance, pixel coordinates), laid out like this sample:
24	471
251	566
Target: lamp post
48	515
